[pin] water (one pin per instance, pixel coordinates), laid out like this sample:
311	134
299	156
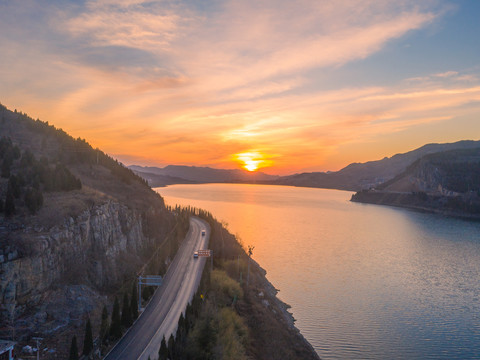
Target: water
364	281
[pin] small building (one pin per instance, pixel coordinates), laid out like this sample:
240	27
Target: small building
6	349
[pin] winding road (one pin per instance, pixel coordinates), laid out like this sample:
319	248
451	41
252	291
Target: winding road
160	317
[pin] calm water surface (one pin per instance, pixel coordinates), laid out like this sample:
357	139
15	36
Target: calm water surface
364	281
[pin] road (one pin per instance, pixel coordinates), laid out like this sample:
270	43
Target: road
160	317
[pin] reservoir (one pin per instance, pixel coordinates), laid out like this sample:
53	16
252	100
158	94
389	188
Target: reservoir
364	281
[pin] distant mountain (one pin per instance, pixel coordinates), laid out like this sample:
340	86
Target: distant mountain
176	174
354	177
156	180
446	182
358	176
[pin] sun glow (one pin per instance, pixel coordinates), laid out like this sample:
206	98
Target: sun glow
252	161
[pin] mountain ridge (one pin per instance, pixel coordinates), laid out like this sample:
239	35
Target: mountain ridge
446	182
198	174
353	177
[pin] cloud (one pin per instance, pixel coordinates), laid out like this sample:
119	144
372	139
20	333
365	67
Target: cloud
192	83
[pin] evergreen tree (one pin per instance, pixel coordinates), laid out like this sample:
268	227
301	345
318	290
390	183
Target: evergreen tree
126	312
207	337
73	349
6	164
33	200
163	351
88	340
9	203
115	324
104	325
14	184
171	347
134	303
181	332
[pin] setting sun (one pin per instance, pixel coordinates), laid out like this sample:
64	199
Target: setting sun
252	161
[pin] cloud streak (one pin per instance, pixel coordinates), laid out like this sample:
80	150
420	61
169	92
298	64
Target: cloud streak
174	82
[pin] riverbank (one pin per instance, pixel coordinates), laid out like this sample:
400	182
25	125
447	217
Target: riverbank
465	207
274	334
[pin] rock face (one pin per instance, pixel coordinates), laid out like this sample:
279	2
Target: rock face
92	249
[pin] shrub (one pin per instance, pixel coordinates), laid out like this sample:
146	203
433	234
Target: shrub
225	287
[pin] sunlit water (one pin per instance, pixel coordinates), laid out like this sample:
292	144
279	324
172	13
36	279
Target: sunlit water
364	281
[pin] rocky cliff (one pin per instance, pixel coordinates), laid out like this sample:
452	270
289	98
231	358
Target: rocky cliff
100	247
91	225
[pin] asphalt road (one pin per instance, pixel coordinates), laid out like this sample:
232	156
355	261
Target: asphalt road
160	317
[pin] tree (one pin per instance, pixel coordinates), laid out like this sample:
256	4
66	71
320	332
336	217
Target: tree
171	347
33	200
73	349
88	340
207	337
7	163
126	312
163	351
134	303
104	325
14	184
9	203
181	329
115	324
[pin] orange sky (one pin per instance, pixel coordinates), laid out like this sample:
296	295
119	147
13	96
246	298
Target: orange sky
287	87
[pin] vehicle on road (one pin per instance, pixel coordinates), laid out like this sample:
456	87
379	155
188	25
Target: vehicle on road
203	232
195	254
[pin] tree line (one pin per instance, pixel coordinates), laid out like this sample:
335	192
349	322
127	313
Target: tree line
28	177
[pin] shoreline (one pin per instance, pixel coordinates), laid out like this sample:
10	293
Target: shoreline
415	202
264	292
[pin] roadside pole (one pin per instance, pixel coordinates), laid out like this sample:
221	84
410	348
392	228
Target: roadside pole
38	339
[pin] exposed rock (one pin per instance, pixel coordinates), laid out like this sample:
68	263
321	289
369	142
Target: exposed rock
88	249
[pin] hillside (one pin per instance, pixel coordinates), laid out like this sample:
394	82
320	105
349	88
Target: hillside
76	227
446	182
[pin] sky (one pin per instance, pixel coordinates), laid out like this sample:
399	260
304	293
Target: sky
281	86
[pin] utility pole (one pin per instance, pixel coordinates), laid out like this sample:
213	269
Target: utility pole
11	309
139	293
38	339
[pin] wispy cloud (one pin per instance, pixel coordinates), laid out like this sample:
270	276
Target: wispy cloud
195	83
